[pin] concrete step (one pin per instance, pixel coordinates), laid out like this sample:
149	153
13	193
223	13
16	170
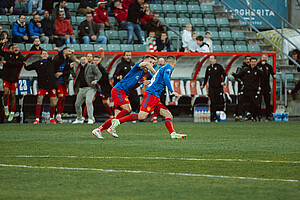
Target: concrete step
223	15
255	40
239	27
287	68
265	47
293	107
219	8
282	61
208	2
250	34
234	21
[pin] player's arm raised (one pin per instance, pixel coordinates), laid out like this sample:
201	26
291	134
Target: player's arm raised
148	66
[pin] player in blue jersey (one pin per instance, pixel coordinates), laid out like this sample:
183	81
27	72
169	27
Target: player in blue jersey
151	100
136	76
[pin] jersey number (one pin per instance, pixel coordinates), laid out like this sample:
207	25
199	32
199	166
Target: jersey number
23	85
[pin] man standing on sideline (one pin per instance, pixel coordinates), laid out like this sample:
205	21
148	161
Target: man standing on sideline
151	101
267	71
85	87
251	80
12	65
217	80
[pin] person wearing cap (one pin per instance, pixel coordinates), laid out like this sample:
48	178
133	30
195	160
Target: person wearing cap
101	16
87	6
208	41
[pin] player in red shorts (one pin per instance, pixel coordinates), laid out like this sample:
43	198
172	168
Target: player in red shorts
151	100
121	91
45	69
12	65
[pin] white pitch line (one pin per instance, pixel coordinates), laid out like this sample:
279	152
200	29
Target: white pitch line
148	172
159	158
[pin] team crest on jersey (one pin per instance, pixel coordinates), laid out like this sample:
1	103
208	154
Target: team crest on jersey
137	77
53	91
255	73
126	99
148	108
215	68
267	68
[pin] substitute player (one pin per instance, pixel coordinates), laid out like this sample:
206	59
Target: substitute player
121	91
151	101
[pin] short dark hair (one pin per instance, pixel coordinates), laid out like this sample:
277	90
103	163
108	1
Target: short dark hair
61	1
35	15
43	51
65	48
171	59
96	56
149	56
89	13
21	15
247	56
10	45
253	58
155	13
36	38
215	57
200	38
126	52
164	32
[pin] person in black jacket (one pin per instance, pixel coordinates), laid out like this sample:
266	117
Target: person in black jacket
215	73
8	6
267	71
240	104
36	45
163	43
121	71
12	65
251	79
135	13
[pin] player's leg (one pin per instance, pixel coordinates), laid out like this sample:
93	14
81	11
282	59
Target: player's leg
61	99
90	94
85	113
39	103
79	101
52	108
267	99
5	99
13	105
107	107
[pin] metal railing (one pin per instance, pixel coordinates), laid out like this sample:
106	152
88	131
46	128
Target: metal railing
178	35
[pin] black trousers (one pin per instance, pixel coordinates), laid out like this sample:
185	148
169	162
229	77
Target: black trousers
1	108
134	100
216	101
266	94
251	97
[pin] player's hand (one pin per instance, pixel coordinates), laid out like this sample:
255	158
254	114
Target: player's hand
58	74
259	88
3	62
39	25
242	83
274	76
202	87
175	94
72	64
290	91
231	73
56	49
73	36
146	82
94	37
94	82
263	62
222	84
25	37
67	36
55	36
101	49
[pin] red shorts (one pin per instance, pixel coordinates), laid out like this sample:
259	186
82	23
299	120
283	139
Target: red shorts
151	103
62	89
51	92
11	85
119	98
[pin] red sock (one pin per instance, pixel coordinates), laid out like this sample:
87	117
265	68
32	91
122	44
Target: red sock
52	111
60	105
13	108
63	104
84	112
108	109
121	114
38	110
169	125
106	125
129	118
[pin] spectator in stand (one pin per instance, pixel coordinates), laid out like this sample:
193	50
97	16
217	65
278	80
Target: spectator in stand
126	3
135	13
19	31
35	29
147	16
101	16
87	6
295	90
202	46
89	31
295	57
186	35
7	7
208	41
33	7
121	15
36	45
64	29
155	25
151	42
5	39
61	7
49	30
163	43
191	45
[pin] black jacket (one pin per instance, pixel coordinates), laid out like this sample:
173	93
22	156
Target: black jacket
251	78
46	73
267	71
239	80
135	12
122	69
152	26
104	81
215	73
163	46
13	66
84	29
33	48
48	27
88	3
7	4
56	10
67	70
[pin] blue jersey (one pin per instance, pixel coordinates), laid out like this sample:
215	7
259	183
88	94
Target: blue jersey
160	80
61	69
131	79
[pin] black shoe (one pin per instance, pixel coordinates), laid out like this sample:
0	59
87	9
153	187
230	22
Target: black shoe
259	118
253	119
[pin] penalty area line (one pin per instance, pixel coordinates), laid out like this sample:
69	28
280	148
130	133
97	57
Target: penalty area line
148	172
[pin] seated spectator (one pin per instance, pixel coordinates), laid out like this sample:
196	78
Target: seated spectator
61	7
87	6
4	39
1	29
64	29
126	3
8	7
35	29
33	7
208	41
163	43
89	31
202	46
121	15
19	31
186	35
135	13
295	57
36	45
147	16
49	30
151	42
155	25
101	16
191	45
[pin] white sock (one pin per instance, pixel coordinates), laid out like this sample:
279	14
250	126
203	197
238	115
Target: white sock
38	119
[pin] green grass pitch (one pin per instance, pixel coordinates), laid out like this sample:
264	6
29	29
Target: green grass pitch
216	161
